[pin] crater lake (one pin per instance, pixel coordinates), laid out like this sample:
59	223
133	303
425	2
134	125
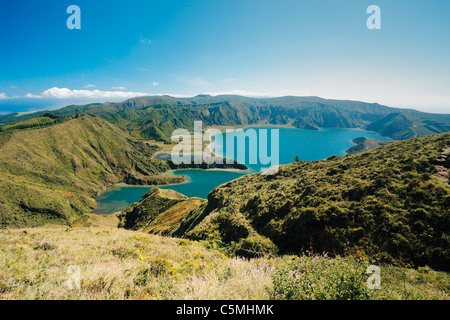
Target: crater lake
308	145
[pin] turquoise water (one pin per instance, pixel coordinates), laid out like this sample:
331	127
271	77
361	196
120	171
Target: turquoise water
307	144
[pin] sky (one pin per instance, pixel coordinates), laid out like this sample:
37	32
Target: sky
248	47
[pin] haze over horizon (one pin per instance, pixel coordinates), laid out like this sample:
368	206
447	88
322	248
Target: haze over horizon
250	48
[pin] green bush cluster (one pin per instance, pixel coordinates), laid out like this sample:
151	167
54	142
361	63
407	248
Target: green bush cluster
313	278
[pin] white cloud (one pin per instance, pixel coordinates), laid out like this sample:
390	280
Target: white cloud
3	95
88	86
155	83
118	88
65	93
13	87
31	96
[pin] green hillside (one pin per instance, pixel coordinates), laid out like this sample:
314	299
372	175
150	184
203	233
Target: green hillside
159	211
391	204
52	174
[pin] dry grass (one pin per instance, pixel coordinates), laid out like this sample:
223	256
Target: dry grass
120	264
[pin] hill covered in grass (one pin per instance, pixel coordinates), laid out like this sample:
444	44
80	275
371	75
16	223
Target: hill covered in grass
159	211
157	117
391	204
52	174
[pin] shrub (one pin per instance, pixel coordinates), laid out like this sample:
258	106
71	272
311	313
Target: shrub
321	279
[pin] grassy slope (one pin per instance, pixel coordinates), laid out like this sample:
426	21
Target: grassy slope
52	174
121	264
159	212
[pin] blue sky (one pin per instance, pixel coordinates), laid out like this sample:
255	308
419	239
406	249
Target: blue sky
248	47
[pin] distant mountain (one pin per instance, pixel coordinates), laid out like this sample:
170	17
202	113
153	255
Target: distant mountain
156	117
391	204
404	126
50	172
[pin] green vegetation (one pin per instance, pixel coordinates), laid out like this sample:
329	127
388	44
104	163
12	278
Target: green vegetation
159	211
52	174
309	278
152	204
324	278
390	204
121	264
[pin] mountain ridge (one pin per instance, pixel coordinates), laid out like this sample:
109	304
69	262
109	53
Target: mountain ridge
155	117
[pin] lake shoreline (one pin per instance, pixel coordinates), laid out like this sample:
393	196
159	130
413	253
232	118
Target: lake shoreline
123	184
